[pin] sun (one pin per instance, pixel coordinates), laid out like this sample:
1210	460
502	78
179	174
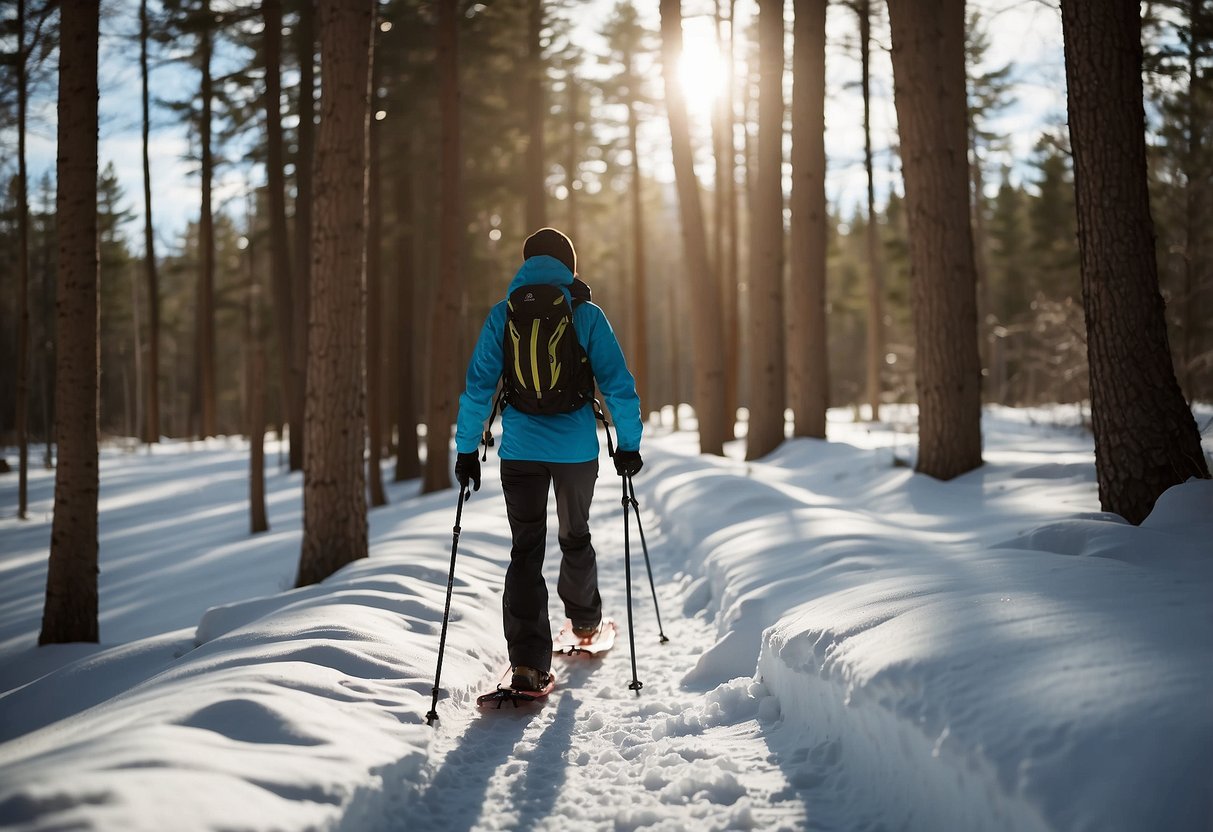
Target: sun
701	69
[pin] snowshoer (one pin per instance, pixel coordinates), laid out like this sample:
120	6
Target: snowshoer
549	438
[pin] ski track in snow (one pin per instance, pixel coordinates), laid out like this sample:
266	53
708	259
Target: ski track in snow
596	755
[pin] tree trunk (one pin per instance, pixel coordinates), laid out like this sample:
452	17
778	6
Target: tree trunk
1197	186
639	359
718	152
21	422
767	398
334	486
444	376
731	311
977	176
1145	437
875	333
536	210
70	613
408	465
151	416
205	318
280	251
929	93
808	364
305	50
705	318
570	165
374	305
255	390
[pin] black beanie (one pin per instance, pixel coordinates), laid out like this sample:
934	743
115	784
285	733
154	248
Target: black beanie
551	242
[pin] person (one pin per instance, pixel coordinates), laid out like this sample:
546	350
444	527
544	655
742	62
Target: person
538	451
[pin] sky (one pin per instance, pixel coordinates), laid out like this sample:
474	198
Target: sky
1025	33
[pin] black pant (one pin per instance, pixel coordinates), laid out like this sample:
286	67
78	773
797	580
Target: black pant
525	604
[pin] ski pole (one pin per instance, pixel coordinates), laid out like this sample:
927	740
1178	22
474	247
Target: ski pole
647	565
635	684
465	494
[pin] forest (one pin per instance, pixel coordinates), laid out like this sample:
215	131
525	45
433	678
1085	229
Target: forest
784	207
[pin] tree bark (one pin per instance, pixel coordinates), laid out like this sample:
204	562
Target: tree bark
205	358
731	310
280	250
334	485
1145	436
929	93
255	390
875	329
151	415
808	364
708	364
21	422
305	50
536	108
639	359
408	465
374	306
767	398
444	378
70	613
570	165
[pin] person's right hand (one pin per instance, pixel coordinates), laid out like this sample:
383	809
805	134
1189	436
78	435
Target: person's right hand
467	467
628	463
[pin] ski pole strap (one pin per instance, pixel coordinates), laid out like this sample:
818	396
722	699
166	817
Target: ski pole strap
486	438
601	416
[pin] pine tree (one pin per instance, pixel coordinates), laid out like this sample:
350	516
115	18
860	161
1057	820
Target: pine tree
767	398
305	54
1145	437
151	375
627	40
705	317
443	376
929	94
280	251
536	110
807	349
374	297
334	495
70	612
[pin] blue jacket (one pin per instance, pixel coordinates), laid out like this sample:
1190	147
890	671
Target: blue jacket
565	437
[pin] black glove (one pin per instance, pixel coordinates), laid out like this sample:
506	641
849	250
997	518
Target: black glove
628	463
467	467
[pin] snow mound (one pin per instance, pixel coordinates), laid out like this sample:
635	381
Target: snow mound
962	655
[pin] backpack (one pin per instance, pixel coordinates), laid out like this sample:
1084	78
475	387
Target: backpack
545	369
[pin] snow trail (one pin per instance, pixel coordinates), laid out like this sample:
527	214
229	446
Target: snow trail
596	755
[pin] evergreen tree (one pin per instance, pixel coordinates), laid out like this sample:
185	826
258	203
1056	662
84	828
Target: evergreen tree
929	92
443	373
705	316
334	496
767	360
1145	437
807	345
70	612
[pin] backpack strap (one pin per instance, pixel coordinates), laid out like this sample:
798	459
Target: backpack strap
579	291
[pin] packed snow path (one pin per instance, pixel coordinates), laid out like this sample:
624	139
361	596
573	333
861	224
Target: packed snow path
596	755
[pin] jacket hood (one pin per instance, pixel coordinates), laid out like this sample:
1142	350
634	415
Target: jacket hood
541	269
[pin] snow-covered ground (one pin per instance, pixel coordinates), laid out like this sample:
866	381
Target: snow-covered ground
853	647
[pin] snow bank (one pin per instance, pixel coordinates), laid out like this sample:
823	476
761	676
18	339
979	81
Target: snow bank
277	713
986	653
